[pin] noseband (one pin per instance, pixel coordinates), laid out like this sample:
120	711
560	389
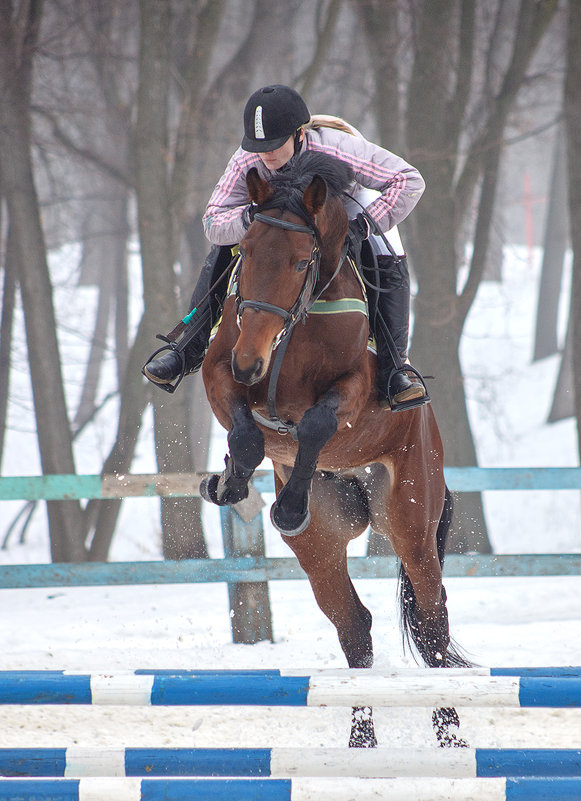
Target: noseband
305	299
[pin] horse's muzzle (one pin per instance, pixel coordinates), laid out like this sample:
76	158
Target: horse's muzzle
248	375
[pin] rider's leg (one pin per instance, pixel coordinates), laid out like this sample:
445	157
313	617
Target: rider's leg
393	306
168	366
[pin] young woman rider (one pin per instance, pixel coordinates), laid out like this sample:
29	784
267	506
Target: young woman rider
277	127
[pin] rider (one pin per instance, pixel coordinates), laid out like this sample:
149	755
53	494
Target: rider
278	126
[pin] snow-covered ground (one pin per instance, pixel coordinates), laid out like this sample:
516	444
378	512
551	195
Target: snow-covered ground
498	621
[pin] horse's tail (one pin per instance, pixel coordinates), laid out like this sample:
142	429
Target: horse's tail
409	624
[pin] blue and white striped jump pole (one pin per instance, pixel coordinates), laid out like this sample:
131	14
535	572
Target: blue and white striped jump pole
435	688
459	763
517	789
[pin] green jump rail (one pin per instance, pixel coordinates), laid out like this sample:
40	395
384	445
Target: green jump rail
182	485
252	569
248	570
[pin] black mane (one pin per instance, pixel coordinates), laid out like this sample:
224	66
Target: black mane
290	183
302	169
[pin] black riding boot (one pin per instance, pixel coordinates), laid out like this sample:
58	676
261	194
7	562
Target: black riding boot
168	366
396	390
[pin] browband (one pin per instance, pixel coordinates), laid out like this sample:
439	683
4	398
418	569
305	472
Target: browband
290	226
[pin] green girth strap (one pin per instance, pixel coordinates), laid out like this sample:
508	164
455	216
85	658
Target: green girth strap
339	306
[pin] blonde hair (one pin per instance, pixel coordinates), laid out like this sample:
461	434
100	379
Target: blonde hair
328	121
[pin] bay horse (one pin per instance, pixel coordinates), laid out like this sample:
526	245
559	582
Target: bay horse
289	375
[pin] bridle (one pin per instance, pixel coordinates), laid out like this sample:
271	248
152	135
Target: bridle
299	310
305	298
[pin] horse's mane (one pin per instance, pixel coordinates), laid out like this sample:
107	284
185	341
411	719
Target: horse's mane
301	171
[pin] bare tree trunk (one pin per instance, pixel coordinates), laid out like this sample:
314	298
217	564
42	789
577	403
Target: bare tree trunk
87	404
434	122
554	249
104	265
54	435
102	515
563	405
380	22
325	31
573	131
157	252
6	320
121	291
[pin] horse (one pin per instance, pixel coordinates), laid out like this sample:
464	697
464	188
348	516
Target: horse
289	375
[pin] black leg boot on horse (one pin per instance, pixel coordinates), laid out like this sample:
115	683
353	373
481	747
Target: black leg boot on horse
185	357
399	385
246	446
290	512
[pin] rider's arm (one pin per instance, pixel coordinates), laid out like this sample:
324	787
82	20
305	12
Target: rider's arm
223	219
400	184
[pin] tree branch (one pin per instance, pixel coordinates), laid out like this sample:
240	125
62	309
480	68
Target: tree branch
307	77
459	100
82	152
533	20
194	83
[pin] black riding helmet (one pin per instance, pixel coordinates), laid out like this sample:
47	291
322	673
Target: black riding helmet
272	114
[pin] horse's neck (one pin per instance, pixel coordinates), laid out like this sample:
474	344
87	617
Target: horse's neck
344	283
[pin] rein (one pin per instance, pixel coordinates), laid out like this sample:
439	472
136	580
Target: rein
299	310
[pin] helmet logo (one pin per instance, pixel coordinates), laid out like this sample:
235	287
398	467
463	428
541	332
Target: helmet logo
258	127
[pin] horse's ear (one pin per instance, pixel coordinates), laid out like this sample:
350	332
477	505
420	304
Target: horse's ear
259	191
315	195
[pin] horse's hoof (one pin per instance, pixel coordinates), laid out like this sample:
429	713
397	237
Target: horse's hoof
216	490
444	720
362	728
290	525
208	487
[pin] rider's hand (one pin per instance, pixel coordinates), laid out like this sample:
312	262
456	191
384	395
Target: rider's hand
358	230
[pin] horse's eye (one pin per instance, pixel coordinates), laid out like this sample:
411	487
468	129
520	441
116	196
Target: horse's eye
301	265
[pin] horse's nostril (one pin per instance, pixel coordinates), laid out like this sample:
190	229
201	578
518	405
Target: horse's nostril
247	375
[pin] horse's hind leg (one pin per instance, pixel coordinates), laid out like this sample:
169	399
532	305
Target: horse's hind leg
339	514
426	626
430	633
246	446
322	553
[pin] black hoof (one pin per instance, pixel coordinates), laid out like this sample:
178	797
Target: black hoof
362	728
444	721
208	487
289	524
223	492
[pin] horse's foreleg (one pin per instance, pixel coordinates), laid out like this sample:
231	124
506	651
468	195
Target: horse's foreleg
338	599
339	514
246	446
290	512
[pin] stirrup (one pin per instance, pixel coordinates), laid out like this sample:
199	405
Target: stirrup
413	403
169	387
